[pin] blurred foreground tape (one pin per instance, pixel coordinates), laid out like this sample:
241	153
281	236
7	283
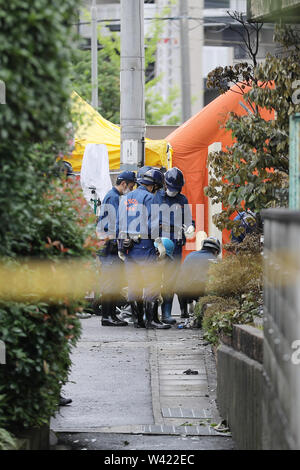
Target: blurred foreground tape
282	268
61	280
45	280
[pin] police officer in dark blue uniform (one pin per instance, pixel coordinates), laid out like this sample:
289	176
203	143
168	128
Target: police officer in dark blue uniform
157	176
108	254
177	224
246	224
137	228
142	171
194	271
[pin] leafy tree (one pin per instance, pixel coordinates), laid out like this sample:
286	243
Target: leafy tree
253	172
34	60
157	109
38	218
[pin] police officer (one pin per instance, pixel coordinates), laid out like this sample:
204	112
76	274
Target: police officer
142	171
158	179
164	250
177	224
108	254
157	176
194	271
136	226
247	223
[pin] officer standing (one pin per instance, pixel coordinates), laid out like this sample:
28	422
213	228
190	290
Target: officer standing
108	254
136	225
176	223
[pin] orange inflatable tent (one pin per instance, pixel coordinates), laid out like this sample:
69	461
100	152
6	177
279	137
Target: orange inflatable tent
191	140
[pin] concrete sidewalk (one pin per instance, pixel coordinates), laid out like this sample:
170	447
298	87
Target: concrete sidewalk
128	382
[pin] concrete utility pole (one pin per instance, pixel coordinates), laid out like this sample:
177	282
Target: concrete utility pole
132	84
196	42
94	52
185	61
294	192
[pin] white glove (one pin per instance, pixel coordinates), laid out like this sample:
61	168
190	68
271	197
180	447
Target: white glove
189	232
160	247
121	255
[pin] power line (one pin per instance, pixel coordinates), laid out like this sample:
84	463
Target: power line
166	18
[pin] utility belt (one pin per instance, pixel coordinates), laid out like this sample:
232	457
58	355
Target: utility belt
135	238
126	244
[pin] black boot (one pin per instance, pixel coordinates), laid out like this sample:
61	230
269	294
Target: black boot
108	312
137	308
166	309
149	310
159	324
183	307
151	315
64	401
96	306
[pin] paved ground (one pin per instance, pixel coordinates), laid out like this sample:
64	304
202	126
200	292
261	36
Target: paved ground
130	392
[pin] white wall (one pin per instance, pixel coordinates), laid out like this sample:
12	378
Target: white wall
216	56
213	231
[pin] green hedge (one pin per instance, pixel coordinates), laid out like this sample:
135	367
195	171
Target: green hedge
234	289
42	216
38	339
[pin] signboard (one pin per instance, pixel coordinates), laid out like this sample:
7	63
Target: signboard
130	152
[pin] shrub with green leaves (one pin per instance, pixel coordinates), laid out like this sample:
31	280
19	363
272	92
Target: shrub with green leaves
218	315
234	289
42	215
7	441
38	339
239	272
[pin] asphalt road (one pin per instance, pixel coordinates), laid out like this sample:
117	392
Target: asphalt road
130	392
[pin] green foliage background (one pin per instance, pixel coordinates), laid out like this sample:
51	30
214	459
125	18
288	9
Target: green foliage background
37	206
157	110
241	174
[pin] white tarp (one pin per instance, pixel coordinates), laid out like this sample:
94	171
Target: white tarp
95	172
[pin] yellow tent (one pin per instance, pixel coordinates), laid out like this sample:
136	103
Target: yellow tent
93	128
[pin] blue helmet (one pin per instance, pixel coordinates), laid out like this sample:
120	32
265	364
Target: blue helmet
148	178
128	176
169	246
142	171
159	178
174	179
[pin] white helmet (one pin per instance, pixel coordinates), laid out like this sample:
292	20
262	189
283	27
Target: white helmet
213	243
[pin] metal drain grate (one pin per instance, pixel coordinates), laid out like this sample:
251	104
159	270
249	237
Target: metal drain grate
185	413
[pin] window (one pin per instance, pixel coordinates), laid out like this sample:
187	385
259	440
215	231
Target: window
216	3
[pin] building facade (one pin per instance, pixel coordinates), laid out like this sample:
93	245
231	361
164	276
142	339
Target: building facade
213	40
272	11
